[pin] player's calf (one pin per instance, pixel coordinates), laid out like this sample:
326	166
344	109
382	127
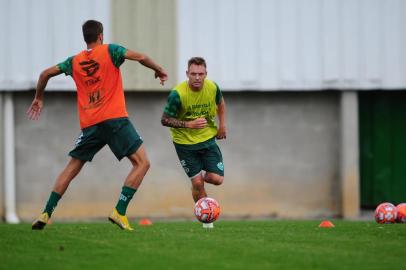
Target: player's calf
198	190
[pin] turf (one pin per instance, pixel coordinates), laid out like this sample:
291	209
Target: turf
185	245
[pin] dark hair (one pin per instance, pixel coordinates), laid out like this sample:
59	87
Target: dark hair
197	61
91	30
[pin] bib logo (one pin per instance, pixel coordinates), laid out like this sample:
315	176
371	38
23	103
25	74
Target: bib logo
220	165
90	67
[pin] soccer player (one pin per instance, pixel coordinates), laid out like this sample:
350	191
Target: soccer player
103	116
190	113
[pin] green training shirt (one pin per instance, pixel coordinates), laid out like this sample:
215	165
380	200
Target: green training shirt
187	105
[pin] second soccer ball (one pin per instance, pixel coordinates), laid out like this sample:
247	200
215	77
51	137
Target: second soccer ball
386	213
401	213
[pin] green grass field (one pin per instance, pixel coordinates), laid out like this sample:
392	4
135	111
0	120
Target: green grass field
186	245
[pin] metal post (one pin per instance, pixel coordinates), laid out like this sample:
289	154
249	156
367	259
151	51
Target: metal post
9	161
349	167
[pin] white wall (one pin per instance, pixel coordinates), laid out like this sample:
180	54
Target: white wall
281	159
296	44
38	34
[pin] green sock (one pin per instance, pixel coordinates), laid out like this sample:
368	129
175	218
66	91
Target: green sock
126	195
52	202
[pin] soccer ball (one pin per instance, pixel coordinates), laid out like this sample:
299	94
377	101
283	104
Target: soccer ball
401	213
207	210
386	213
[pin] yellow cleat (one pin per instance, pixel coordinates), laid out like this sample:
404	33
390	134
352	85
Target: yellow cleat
120	220
40	222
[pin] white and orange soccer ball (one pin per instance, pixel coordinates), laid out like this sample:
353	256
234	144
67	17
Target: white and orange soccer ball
386	213
401	213
207	210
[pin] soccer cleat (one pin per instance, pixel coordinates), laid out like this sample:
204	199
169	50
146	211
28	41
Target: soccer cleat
40	222
208	225
120	221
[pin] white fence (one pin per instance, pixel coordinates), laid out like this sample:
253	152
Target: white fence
255	44
296	44
38	34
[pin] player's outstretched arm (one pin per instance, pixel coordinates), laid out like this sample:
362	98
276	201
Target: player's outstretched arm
221	114
34	111
168	121
149	63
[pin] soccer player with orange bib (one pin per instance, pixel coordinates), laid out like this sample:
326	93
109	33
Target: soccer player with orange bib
103	116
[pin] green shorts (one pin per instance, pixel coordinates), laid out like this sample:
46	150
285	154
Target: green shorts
194	161
118	133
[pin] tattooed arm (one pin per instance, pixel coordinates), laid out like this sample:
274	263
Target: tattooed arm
173	122
172	108
168	121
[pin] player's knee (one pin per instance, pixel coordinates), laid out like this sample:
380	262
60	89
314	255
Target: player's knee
214	179
218	180
74	166
146	164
